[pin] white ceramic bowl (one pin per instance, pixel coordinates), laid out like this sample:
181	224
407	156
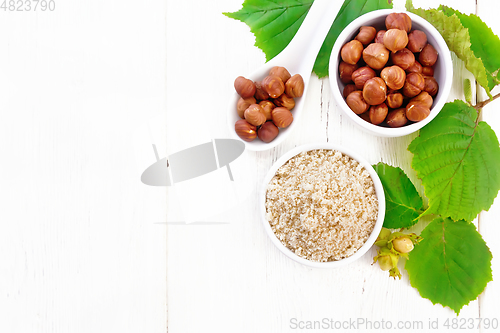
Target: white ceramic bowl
379	190
443	70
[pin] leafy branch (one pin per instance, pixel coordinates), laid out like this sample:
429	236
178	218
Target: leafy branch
482	104
468	97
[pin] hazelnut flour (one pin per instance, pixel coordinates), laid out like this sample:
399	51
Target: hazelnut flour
322	205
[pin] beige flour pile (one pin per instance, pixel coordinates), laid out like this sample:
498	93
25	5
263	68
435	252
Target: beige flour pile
322	205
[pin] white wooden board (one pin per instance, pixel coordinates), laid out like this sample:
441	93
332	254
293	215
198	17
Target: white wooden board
84	247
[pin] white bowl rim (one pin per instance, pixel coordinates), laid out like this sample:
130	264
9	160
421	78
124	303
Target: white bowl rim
444	90
379	190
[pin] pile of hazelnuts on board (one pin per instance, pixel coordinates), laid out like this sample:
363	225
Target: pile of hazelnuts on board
266	106
388	74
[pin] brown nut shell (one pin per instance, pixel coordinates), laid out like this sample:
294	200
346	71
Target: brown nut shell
379	37
356	102
394	100
280	72
423	98
244	87
396	118
428	71
428	56
414	84
395	40
294	87
260	94
254	115
267	106
398	21
273	85
351	51
346	70
430	85
376	55
366	34
285	101
378	113
417	39
282	117
247	132
394	77
267	132
348	89
415	68
374	91
403	58
243	104
365	116
417	111
361	75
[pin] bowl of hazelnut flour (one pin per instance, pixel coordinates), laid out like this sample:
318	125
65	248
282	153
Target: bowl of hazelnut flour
322	205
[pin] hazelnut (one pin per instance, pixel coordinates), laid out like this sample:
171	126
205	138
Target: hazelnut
403	58
394	100
280	72
379	37
414	84
356	102
417	39
273	86
267	132
429	71
376	55
267	106
348	89
366	34
243	104
374	91
417	111
351	52
396	118
402	244
415	68
282	117
398	21
285	101
394	77
260	94
378	113
361	75
254	115
395	40
428	56
244	87
245	131
430	85
423	98
294	87
365	116
345	71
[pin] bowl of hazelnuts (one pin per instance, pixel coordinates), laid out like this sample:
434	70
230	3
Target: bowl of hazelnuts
390	73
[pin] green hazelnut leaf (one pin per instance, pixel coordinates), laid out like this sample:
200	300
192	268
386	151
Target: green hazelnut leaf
484	42
457	157
275	23
458	39
350	10
451	265
403	203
